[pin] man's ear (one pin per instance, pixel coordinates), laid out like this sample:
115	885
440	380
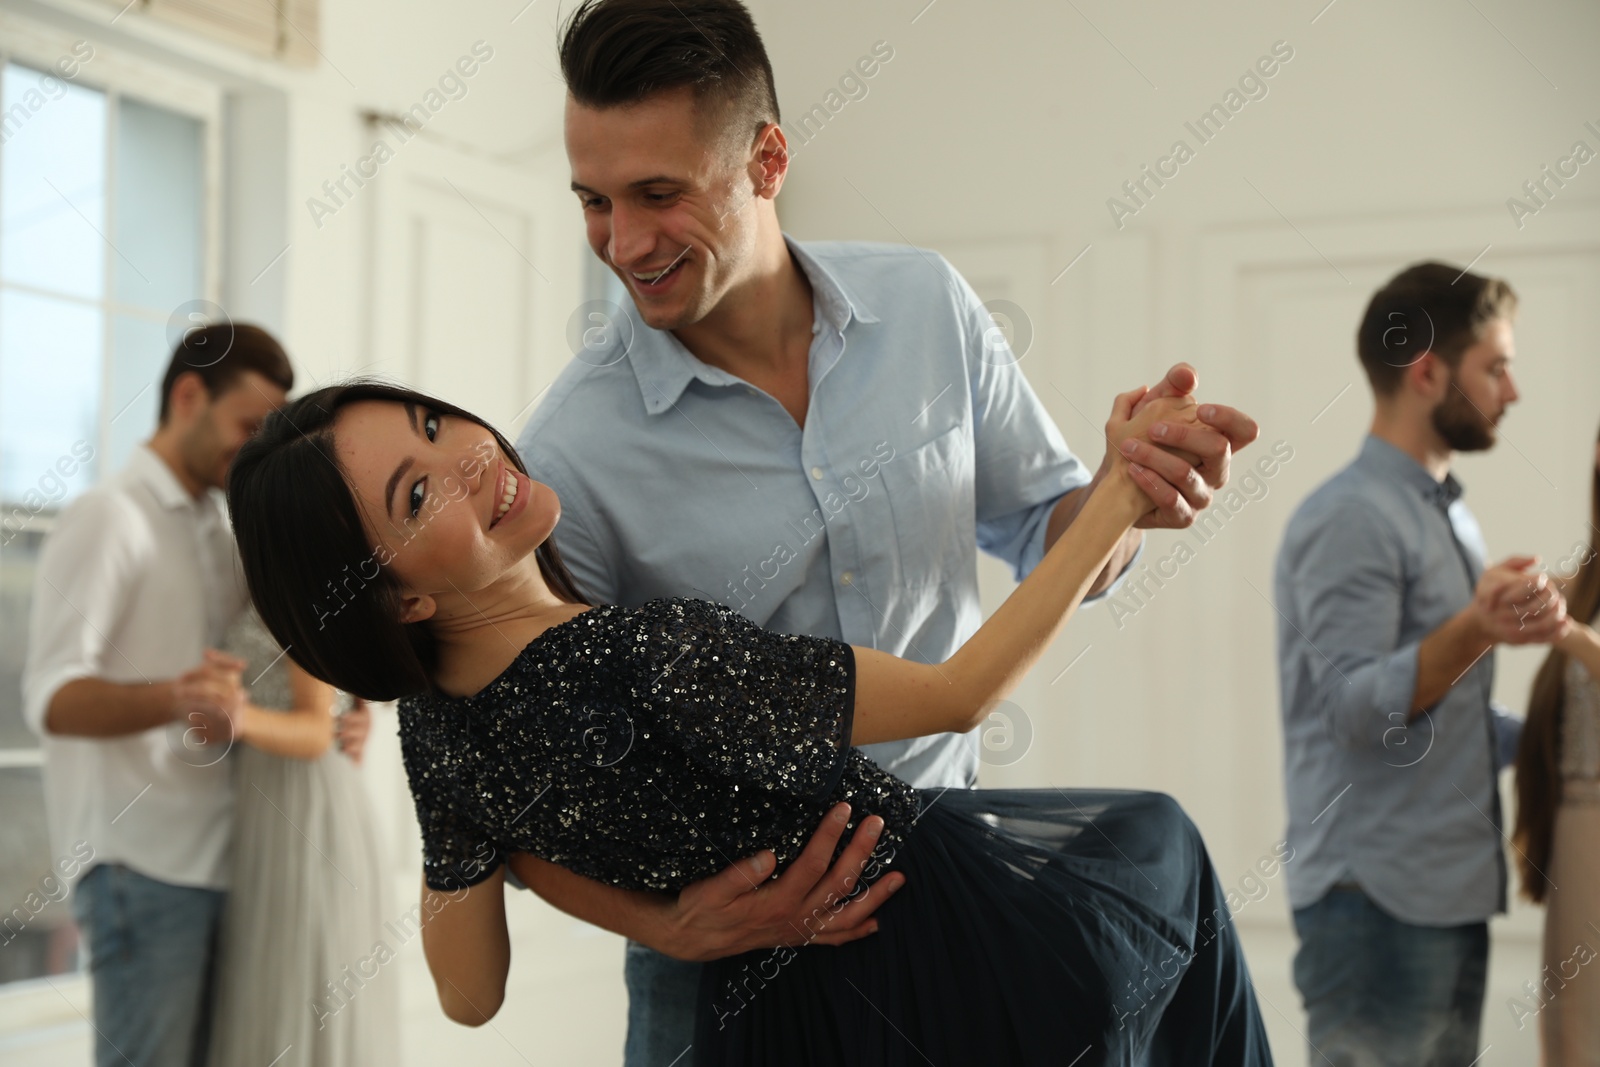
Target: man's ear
189	396
416	608
1429	376
771	160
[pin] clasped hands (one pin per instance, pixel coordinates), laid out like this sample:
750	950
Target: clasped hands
212	698
1518	605
1176	450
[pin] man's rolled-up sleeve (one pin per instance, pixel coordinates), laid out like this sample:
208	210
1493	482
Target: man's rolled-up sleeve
1349	588
1023	465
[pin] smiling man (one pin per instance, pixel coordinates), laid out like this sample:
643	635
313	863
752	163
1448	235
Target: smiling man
821	435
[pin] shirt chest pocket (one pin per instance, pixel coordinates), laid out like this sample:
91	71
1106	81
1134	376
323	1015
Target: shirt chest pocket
931	498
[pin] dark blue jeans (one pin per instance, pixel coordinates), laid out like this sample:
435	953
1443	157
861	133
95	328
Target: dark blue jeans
1384	993
151	947
661	1003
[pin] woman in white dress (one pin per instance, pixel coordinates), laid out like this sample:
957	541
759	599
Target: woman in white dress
297	982
1558	817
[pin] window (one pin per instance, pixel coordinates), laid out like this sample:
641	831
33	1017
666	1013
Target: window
107	245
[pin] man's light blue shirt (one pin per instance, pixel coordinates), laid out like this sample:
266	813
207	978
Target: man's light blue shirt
922	443
1375	560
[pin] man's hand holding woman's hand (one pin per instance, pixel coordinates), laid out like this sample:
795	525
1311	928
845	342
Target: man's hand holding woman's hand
1518	605
212	698
1182	459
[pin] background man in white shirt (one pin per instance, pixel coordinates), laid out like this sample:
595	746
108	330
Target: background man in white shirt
135	582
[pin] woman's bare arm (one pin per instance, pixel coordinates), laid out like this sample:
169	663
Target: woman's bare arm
897	698
302	731
468	949
218	700
1583	645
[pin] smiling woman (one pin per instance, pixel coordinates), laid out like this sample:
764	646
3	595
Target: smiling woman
432	454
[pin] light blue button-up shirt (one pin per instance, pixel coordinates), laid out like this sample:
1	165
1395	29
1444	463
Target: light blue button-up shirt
1375	560
922	443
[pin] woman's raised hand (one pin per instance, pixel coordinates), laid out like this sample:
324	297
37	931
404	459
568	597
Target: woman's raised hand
1192	457
1133	414
352	728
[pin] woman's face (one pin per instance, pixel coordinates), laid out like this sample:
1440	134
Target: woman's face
432	489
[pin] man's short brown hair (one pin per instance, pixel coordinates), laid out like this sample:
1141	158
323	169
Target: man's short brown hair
221	354
616	53
1427	307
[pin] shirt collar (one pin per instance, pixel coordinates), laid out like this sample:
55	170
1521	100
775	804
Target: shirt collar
837	303
664	367
1390	461
152	470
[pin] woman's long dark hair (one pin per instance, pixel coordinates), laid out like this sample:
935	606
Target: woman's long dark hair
1539	756
322	590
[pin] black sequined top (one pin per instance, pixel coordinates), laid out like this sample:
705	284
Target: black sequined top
646	748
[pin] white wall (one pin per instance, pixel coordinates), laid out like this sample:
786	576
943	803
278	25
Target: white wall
995	133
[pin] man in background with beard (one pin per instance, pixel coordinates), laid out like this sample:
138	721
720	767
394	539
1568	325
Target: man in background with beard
1388	619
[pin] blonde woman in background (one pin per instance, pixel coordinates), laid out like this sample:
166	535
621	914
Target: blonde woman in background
1558	816
297	984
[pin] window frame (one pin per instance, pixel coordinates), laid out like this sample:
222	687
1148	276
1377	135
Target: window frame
118	73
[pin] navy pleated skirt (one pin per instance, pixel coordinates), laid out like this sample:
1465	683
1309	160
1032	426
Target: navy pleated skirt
1073	928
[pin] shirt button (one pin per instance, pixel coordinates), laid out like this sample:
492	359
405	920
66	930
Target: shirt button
749	390
847	577
816	472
